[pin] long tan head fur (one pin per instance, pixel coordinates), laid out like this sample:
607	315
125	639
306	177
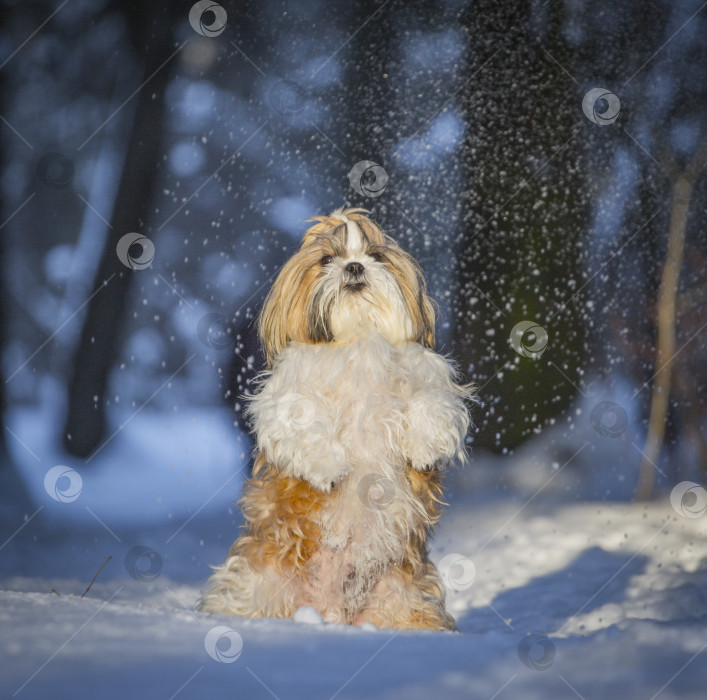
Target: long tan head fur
348	278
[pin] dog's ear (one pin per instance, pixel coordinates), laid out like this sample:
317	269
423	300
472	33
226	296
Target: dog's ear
271	323
412	284
284	314
426	320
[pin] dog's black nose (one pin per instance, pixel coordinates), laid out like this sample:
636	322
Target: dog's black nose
355	269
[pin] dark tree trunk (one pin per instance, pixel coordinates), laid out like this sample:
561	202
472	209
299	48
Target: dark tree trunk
4	459
153	31
524	220
14	499
371	132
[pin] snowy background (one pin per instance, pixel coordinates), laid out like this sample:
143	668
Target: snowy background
524	200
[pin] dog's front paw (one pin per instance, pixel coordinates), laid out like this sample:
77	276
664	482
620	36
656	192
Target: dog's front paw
435	431
326	474
325	470
419	449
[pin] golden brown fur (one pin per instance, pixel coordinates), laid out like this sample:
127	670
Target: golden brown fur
282	534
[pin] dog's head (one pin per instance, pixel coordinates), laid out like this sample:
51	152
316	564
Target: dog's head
347	279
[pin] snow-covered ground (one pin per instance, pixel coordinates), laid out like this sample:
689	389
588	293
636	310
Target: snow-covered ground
555	596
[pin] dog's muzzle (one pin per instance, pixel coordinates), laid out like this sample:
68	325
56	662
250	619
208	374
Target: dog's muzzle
354	279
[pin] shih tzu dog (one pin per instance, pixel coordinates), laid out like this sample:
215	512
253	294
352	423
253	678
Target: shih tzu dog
355	420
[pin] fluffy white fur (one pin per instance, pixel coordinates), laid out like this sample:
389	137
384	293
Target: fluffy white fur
373	404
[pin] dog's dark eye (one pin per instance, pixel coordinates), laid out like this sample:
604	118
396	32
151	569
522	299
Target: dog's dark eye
378	257
326	259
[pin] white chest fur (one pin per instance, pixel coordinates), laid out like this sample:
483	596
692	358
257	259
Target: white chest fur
351	416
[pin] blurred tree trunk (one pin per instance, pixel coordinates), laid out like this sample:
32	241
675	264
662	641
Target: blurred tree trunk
371	132
524	219
152	30
237	377
15	500
4	457
682	187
